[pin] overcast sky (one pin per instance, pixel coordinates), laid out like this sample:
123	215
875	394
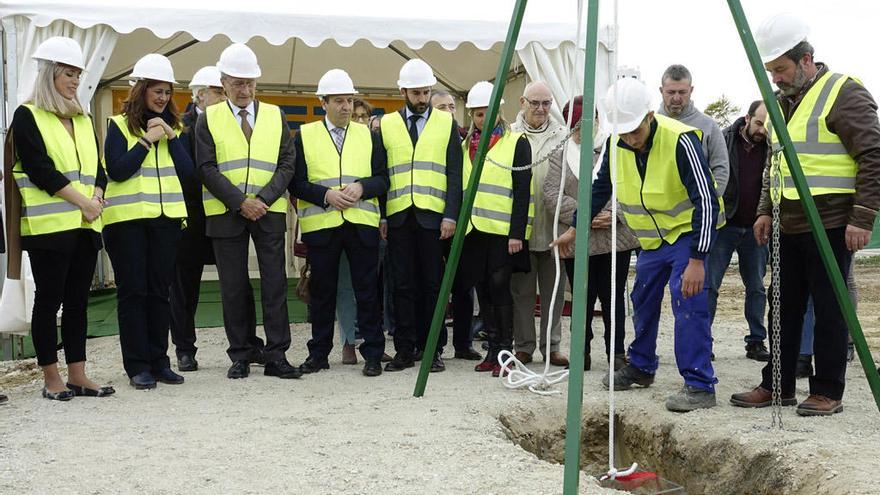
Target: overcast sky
702	36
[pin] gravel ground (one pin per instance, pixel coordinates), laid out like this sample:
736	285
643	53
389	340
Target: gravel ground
338	432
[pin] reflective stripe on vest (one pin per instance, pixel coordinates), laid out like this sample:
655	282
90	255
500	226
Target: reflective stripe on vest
74	157
827	166
328	168
657	209
249	166
418	176
493	204
152	191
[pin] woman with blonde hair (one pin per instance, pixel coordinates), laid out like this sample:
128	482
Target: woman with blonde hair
146	164
62	184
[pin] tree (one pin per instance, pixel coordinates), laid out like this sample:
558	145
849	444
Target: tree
722	110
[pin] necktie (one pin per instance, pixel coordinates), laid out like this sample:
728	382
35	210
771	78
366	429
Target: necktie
337	138
245	125
413	130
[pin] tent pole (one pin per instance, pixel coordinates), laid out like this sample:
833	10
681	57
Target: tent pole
169	53
468	199
800	182
573	421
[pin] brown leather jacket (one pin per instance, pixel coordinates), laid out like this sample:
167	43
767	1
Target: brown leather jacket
854	118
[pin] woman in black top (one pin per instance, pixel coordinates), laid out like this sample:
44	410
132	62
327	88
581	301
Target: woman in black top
62	184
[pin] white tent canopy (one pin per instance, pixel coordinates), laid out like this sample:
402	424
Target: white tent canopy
297	41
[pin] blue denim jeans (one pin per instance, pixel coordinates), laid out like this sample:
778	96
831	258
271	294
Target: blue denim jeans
752	267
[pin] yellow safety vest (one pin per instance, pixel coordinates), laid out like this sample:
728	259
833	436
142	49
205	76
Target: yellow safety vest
327	167
493	204
152	191
249	166
418	176
76	158
657	209
827	165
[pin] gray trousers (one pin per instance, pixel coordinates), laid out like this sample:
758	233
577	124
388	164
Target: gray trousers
523	289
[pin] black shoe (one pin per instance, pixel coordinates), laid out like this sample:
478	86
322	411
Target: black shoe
239	369
373	368
90	392
258	357
437	364
400	363
282	369
850	352
312	365
187	362
142	381
757	351
3	399
468	354
168	377
628	376
417	356
804	367
64	395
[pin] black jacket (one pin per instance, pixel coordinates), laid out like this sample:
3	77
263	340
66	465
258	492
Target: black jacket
731	194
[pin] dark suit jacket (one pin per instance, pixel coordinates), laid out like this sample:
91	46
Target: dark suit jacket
374	186
426	218
232	223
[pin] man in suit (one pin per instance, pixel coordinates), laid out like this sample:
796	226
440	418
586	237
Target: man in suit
424	159
245	157
340	173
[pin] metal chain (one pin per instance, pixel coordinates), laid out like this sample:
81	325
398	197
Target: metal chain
539	161
776	196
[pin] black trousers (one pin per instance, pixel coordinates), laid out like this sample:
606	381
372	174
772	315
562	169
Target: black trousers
417	266
142	253
802	274
599	287
193	252
237	295
485	263
363	262
62	277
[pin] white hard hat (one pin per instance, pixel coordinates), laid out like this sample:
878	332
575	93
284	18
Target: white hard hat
415	73
335	82
61	50
206	77
479	95
238	60
153	66
632	99
779	34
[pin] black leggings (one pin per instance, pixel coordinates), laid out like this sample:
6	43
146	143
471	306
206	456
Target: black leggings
62	277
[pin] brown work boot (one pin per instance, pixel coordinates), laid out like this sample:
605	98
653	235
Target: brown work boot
523	357
759	397
819	405
558	359
349	356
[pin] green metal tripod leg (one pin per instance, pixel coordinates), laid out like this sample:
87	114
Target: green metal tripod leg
800	182
468	199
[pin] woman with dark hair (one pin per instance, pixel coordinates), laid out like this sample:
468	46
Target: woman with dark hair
498	229
62	184
146	164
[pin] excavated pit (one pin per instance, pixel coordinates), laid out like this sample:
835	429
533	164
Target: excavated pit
679	454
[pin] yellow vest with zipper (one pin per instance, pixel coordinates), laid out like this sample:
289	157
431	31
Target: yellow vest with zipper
657	208
493	204
152	191
330	168
828	167
417	175
75	157
249	166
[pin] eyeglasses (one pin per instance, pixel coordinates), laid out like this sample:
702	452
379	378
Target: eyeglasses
537	103
240	84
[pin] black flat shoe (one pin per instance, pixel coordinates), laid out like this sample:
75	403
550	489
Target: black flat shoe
468	354
372	368
400	362
187	362
282	369
311	365
437	364
142	381
3	399
64	395
168	377
239	369
90	392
